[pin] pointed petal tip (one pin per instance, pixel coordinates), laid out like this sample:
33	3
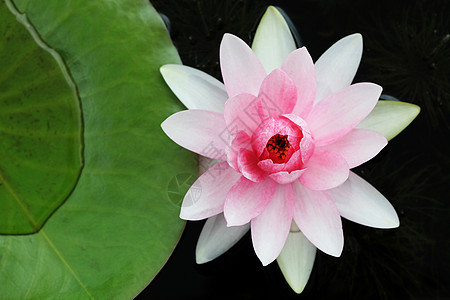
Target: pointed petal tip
187	215
393	223
355	38
228	219
334	248
164	125
200	258
264	257
297	287
169	122
413	109
183	215
375	88
265	261
233	39
162	69
165	69
336	252
396	224
272	10
352	40
231	222
216	238
228	36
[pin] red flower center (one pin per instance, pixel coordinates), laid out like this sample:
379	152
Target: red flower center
278	147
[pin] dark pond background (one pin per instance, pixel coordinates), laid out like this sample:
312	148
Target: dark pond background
407	51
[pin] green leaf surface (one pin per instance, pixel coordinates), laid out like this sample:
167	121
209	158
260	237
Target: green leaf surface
40	131
390	117
118	226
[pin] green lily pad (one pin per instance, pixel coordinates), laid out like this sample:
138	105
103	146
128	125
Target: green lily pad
40	131
118	226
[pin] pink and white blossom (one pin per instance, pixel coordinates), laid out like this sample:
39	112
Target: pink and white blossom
283	134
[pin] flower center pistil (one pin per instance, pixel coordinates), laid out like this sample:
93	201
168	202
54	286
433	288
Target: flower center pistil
278	146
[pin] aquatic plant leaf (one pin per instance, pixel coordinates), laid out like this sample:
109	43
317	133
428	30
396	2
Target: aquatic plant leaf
40	130
118	226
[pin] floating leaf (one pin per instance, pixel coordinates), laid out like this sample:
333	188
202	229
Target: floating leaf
40	131
118	226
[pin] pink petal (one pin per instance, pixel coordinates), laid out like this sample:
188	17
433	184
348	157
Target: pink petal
300	68
360	202
358	146
248	165
317	217
295	162
247	199
339	113
207	195
216	238
285	177
268	166
307	143
241	114
324	170
336	68
277	95
271	228
241	141
242	72
199	131
263	134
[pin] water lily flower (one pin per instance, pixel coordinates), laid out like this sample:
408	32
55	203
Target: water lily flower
283	134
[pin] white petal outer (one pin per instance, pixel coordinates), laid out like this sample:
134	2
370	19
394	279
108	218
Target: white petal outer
242	72
360	202
318	218
296	260
194	88
390	117
216	238
273	40
336	68
200	131
207	195
270	229
358	146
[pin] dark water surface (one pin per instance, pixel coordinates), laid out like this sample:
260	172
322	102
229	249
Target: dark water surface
407	51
